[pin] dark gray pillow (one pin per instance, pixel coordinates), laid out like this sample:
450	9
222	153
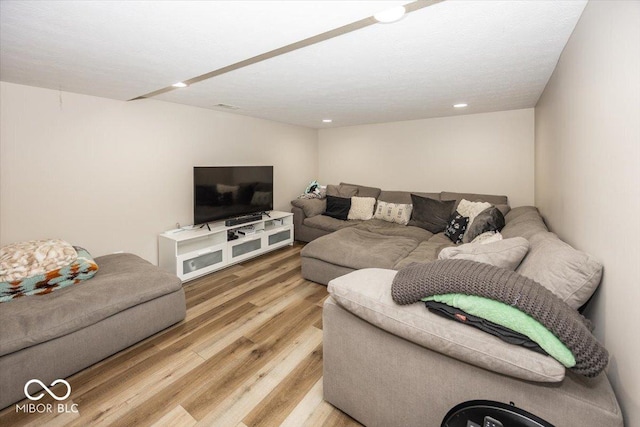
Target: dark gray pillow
432	215
338	207
490	219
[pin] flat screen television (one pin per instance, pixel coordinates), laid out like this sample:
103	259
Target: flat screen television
222	192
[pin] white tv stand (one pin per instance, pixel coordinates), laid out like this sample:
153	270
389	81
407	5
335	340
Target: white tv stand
191	253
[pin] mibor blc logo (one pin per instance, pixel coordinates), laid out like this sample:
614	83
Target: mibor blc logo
47	389
39	408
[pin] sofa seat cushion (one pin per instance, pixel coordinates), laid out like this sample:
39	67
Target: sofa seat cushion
356	248
328	223
367	294
122	281
387	228
425	252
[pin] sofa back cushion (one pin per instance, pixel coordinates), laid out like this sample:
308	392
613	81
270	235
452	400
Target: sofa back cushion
567	272
523	221
493	199
341	190
364	191
404	196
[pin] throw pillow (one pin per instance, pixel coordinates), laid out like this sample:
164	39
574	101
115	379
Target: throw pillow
338	207
342	190
393	212
507	253
432	215
361	208
490	219
471	209
488	237
456	228
567	272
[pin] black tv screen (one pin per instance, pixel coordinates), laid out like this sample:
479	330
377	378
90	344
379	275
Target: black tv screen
221	192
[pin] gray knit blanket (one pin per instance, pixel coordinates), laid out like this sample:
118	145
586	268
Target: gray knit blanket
418	281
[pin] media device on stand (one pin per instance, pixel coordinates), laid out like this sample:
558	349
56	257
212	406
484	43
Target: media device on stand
243	219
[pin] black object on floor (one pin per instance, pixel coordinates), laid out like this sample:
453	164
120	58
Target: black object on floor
487	413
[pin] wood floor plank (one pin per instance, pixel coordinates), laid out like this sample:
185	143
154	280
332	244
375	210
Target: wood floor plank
247	324
299	415
108	411
248	353
267	348
177	417
283	399
196	381
242	400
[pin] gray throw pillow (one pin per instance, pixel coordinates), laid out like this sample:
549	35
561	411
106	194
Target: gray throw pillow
490	219
432	215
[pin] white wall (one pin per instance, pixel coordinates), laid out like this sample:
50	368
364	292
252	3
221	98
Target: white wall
588	173
111	175
491	153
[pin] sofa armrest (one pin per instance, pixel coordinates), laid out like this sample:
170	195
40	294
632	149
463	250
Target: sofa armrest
310	207
298	216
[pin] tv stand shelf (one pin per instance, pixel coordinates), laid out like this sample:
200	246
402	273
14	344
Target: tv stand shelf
194	252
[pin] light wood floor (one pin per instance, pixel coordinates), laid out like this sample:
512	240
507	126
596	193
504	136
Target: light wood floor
248	354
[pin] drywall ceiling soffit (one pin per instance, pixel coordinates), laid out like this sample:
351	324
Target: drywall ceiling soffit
494	55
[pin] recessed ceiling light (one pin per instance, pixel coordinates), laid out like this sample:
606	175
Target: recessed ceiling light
460	105
179	84
326	120
390	15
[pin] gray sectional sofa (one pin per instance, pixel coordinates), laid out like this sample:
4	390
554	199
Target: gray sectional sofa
339	247
56	335
391	365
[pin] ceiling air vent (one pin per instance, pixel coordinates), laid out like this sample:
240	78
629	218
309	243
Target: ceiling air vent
228	107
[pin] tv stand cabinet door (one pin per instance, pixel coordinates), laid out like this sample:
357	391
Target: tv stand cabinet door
195	264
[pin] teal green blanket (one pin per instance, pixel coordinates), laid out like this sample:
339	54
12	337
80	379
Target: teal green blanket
512	318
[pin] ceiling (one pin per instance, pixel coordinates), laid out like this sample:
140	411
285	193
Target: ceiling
493	55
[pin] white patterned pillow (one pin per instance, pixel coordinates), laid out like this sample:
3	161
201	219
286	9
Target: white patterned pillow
394	212
361	208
